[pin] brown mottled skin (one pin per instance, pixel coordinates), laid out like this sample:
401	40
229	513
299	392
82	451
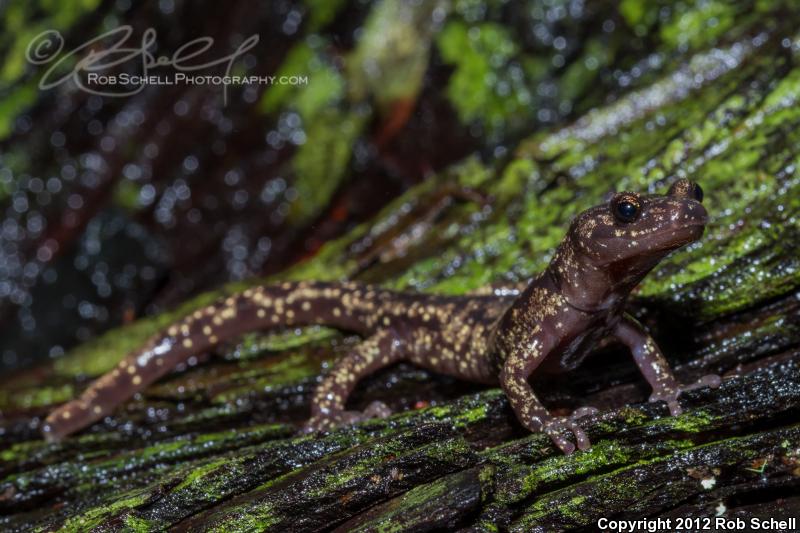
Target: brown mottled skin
497	338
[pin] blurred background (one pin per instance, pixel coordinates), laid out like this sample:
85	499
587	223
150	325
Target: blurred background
112	208
117	207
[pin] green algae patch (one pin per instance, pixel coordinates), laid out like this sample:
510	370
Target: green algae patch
321	161
322	12
24	23
255	344
98	515
36	397
696	421
698	24
344	481
462	414
430	506
310	99
390	451
257	520
11	105
480	54
209	482
138	525
95	467
521	480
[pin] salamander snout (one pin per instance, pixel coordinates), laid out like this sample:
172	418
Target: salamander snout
688	219
695	213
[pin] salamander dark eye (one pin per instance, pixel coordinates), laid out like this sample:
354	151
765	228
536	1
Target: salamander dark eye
625	209
698	193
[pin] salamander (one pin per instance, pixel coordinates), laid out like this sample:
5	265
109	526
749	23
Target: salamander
500	338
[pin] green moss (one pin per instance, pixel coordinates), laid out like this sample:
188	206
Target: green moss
321	161
381	452
488	527
309	100
196	476
695	421
11	105
305	371
23	451
632	416
486	477
322	12
260	519
573	508
139	525
255	344
403	511
698	24
209	482
29	397
96	516
523	480
582	72
467	412
480	54
22	24
635	12
83	474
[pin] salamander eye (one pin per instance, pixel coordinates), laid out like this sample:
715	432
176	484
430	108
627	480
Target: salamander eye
625	208
697	193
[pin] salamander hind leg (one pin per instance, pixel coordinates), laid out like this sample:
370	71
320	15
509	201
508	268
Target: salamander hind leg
328	403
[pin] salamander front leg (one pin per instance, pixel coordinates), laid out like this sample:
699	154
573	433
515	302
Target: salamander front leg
328	404
530	411
654	366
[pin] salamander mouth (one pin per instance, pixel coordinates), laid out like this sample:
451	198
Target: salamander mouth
684	234
688	226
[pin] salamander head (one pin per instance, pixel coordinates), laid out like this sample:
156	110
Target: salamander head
633	226
614	245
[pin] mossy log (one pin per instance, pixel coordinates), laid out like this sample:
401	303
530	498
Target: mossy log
215	445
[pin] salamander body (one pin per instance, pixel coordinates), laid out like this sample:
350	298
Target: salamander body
500	338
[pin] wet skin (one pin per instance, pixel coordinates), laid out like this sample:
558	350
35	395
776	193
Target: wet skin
498	338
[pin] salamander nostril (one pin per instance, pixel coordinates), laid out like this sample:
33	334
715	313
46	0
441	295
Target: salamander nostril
698	192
